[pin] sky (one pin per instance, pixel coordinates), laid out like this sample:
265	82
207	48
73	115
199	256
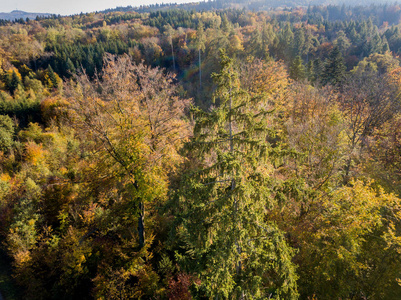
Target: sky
67	7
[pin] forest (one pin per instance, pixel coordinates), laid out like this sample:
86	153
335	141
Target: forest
206	152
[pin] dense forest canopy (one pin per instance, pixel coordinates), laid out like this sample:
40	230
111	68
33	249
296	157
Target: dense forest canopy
249	5
217	150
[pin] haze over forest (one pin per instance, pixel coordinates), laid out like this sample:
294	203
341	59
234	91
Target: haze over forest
210	150
63	7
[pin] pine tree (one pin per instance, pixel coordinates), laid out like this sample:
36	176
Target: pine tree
267	37
297	69
70	67
342	42
385	46
299	42
334	70
225	24
286	41
255	43
52	77
12	82
308	43
316	70
6	133
238	253
375	44
309	71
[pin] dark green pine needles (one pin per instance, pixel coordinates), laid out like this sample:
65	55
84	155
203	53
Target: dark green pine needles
237	251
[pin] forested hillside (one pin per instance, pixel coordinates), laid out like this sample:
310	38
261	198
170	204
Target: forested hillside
18	14
255	5
211	153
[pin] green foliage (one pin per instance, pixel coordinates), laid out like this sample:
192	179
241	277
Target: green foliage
297	69
273	193
334	69
6	133
52	78
286	42
226	227
23	108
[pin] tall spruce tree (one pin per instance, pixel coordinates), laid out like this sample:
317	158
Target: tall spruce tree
238	253
334	70
267	38
286	41
297	69
317	70
299	42
52	77
256	43
12	82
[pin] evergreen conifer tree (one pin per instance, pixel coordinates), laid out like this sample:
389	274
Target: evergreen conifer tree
13	82
238	253
316	70
267	37
52	77
334	70
286	41
385	45
299	42
256	43
297	69
70	67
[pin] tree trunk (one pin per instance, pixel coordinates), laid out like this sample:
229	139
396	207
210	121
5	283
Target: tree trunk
200	71
239	265
172	53
141	225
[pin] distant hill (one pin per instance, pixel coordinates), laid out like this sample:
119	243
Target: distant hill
18	14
